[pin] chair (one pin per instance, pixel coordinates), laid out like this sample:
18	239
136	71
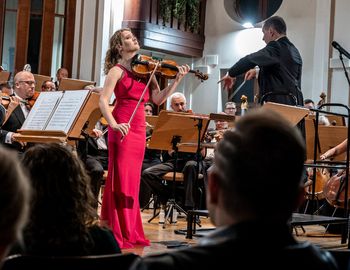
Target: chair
342	257
93	262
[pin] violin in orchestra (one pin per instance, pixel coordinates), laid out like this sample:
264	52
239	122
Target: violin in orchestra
143	65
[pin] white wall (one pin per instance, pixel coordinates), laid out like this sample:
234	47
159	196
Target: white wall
308	23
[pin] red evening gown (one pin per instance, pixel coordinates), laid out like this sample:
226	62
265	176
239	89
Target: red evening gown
120	205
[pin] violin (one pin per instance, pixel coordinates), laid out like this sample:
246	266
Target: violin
322	100
143	65
30	101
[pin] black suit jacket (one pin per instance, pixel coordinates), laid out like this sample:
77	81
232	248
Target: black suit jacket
280	66
246	245
13	123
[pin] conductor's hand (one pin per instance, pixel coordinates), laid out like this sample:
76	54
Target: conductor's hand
250	74
123	128
228	81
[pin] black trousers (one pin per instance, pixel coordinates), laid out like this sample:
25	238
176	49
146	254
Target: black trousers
153	178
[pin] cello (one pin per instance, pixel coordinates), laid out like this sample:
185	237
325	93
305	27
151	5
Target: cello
334	190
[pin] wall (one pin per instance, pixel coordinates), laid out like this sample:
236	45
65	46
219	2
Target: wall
308	23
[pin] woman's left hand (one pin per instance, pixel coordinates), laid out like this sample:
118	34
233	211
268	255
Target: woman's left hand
183	70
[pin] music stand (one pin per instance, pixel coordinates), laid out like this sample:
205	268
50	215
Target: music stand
177	131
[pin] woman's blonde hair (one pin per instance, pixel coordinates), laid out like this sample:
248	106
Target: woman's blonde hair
112	54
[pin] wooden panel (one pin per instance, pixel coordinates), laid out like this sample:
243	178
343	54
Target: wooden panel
68	41
45	58
330	136
23	17
159	38
142	16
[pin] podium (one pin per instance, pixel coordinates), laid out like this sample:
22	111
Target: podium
70	114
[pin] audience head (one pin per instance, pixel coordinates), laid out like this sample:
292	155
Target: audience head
14	200
5	88
178	102
62	201
115	49
149	108
48	86
230	108
308	103
24	84
257	164
61	73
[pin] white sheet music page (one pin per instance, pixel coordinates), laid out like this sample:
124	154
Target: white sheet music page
40	113
67	110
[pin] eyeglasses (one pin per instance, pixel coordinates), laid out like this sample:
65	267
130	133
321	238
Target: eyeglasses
28	82
179	104
230	108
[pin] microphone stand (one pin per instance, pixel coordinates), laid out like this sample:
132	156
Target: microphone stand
345	71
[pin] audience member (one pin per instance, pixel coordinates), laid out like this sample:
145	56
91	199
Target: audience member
62	220
61	73
14	200
48	86
245	177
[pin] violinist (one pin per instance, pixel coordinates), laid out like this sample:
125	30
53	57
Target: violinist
126	138
23	87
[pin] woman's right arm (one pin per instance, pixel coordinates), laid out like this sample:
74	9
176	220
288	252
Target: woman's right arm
112	78
336	150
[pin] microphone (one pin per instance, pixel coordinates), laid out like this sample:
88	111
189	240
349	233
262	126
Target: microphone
340	49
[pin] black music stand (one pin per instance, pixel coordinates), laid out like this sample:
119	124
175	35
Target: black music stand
178	132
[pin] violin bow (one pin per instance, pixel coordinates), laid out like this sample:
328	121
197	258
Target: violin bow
142	95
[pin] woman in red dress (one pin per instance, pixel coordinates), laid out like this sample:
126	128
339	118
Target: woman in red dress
120	206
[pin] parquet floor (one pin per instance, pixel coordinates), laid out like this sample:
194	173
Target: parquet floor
159	236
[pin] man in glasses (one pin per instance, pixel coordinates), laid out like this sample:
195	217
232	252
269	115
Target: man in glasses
23	87
186	163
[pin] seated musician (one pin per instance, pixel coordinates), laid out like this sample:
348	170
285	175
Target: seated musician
186	163
152	157
48	86
23	87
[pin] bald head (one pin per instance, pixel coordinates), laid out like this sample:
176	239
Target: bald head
24	84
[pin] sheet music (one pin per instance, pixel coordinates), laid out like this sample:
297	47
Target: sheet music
67	110
41	112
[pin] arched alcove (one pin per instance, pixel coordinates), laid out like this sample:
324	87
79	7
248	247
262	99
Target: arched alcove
253	11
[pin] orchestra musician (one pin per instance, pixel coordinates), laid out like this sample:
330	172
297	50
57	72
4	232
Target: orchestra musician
152	157
186	163
23	87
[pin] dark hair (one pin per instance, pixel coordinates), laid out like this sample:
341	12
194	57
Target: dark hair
260	164
277	23
149	104
14	198
5	85
307	100
62	202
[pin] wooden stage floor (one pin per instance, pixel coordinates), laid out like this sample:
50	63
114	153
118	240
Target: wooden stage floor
162	237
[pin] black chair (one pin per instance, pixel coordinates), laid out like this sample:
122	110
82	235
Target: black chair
342	257
93	262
